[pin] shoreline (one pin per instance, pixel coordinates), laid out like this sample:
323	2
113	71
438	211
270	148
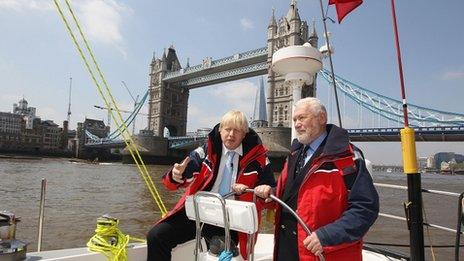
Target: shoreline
6	156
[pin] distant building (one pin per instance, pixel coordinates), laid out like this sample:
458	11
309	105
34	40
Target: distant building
445	166
16	137
422	162
33	137
448	157
203	131
72	140
10	130
28	113
199	132
259	112
430	162
166	133
23	131
282	32
64	136
21	108
95	128
10	123
51	136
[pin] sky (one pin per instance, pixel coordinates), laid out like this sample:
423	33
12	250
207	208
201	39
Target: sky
37	57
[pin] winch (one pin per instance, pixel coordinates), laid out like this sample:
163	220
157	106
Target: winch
11	249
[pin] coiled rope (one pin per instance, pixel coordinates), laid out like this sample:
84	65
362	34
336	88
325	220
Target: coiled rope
110	103
109	239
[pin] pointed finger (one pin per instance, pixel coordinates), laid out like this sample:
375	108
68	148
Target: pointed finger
185	161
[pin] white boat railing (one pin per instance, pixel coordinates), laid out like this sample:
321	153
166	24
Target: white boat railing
214	218
460	217
212	208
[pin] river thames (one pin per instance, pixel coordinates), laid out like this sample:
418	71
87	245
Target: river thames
78	193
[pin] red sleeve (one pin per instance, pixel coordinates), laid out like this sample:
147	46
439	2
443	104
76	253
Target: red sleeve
169	183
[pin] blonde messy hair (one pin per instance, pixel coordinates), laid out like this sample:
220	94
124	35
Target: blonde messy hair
234	119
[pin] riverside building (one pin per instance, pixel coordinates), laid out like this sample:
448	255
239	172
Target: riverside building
22	131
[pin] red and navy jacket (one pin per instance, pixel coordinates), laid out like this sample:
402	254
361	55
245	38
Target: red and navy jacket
201	172
336	197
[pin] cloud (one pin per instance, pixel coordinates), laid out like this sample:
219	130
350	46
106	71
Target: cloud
25	5
102	21
7	100
202	20
199	118
239	94
48	113
246	24
452	75
205	122
194	111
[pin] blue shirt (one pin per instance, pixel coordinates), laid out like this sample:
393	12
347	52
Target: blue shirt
314	145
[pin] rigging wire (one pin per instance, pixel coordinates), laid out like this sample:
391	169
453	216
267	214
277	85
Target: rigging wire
429	235
373	99
110	101
408	245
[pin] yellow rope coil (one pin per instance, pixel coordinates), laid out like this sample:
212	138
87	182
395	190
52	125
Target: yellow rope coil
109	240
110	103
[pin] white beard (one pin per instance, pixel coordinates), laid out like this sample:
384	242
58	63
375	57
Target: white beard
304	138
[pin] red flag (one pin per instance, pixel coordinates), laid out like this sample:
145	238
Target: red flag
344	7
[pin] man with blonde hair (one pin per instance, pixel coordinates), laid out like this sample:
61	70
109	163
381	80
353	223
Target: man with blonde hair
233	159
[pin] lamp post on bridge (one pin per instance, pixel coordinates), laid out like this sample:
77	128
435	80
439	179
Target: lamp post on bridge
299	64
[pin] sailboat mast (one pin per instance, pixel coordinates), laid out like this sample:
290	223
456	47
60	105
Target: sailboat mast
414	205
331	64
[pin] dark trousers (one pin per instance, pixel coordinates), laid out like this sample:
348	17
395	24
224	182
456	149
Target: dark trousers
178	229
287	245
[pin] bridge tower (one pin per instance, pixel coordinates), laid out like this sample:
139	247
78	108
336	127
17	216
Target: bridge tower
168	102
288	30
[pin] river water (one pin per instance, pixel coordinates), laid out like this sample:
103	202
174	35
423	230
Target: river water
78	193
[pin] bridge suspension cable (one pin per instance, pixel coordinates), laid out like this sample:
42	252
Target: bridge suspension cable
128	121
390	108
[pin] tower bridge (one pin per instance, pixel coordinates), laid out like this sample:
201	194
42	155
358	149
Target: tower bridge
170	84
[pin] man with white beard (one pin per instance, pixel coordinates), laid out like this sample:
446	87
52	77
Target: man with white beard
325	181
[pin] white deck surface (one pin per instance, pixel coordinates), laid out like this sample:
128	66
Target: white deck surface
138	252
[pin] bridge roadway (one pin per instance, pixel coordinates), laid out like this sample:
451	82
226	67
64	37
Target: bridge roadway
437	134
106	144
241	65
423	134
426	134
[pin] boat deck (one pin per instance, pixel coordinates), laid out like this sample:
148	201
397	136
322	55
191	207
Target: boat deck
138	252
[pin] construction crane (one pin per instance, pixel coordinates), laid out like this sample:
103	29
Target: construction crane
125	111
136	103
69	101
136	100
